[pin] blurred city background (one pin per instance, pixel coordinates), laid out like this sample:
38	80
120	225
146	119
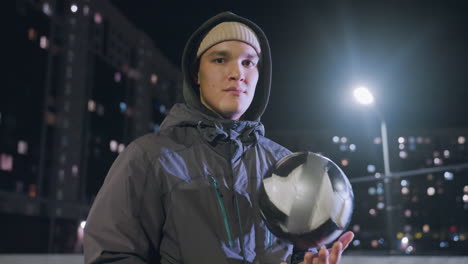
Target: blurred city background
85	78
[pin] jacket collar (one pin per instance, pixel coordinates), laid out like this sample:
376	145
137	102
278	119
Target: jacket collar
213	128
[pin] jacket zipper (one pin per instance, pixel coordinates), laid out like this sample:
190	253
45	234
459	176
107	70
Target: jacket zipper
268	238
236	204
223	211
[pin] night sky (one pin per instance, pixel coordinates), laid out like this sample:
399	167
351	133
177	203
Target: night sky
412	54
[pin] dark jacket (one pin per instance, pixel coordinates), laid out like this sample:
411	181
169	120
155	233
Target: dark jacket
188	193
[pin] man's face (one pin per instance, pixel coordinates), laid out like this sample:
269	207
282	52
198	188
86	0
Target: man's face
227	76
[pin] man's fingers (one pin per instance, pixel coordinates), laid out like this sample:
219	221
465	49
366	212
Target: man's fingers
308	258
346	238
323	256
335	254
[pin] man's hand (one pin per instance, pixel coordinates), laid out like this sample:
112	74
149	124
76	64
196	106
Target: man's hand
329	256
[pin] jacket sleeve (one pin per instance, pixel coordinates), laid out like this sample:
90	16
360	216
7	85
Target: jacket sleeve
124	224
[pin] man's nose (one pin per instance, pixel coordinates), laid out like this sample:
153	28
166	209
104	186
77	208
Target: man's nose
236	72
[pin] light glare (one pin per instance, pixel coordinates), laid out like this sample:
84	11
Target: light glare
363	96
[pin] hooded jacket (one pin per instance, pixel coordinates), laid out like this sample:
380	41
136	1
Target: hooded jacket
188	193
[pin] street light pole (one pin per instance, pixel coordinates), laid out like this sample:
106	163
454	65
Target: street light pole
365	97
386	159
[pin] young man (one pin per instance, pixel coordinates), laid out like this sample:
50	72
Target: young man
187	194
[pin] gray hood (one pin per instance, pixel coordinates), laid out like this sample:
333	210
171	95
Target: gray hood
189	61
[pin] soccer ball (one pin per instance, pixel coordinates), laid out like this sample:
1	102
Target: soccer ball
307	200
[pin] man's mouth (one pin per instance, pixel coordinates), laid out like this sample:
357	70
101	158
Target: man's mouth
234	90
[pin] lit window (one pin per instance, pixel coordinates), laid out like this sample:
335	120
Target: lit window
117	77
403	154
380	189
32	192
352	147
123	107
377	140
465	198
408	213
356	228
371	168
372	212
430	177
435	154
336	139
430	191
113	145
32	35
418	235
343	140
6	162
372	191
343	148
162	109
404	183
75	170
374	243
380	205
97	18
437	161
121	147
465	189
378	175
401	140
43	42
409	249
46	9
356	242
404	190
419	140
22	147
401	146
404	240
85	10
344	162
74	8
91	106
154	78
448	175
447	154
461	140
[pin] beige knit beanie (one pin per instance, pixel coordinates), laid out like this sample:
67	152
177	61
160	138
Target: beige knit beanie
229	31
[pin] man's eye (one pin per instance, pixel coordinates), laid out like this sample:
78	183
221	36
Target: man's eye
219	60
249	63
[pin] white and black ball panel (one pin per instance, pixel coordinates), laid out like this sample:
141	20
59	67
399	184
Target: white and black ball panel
307	200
